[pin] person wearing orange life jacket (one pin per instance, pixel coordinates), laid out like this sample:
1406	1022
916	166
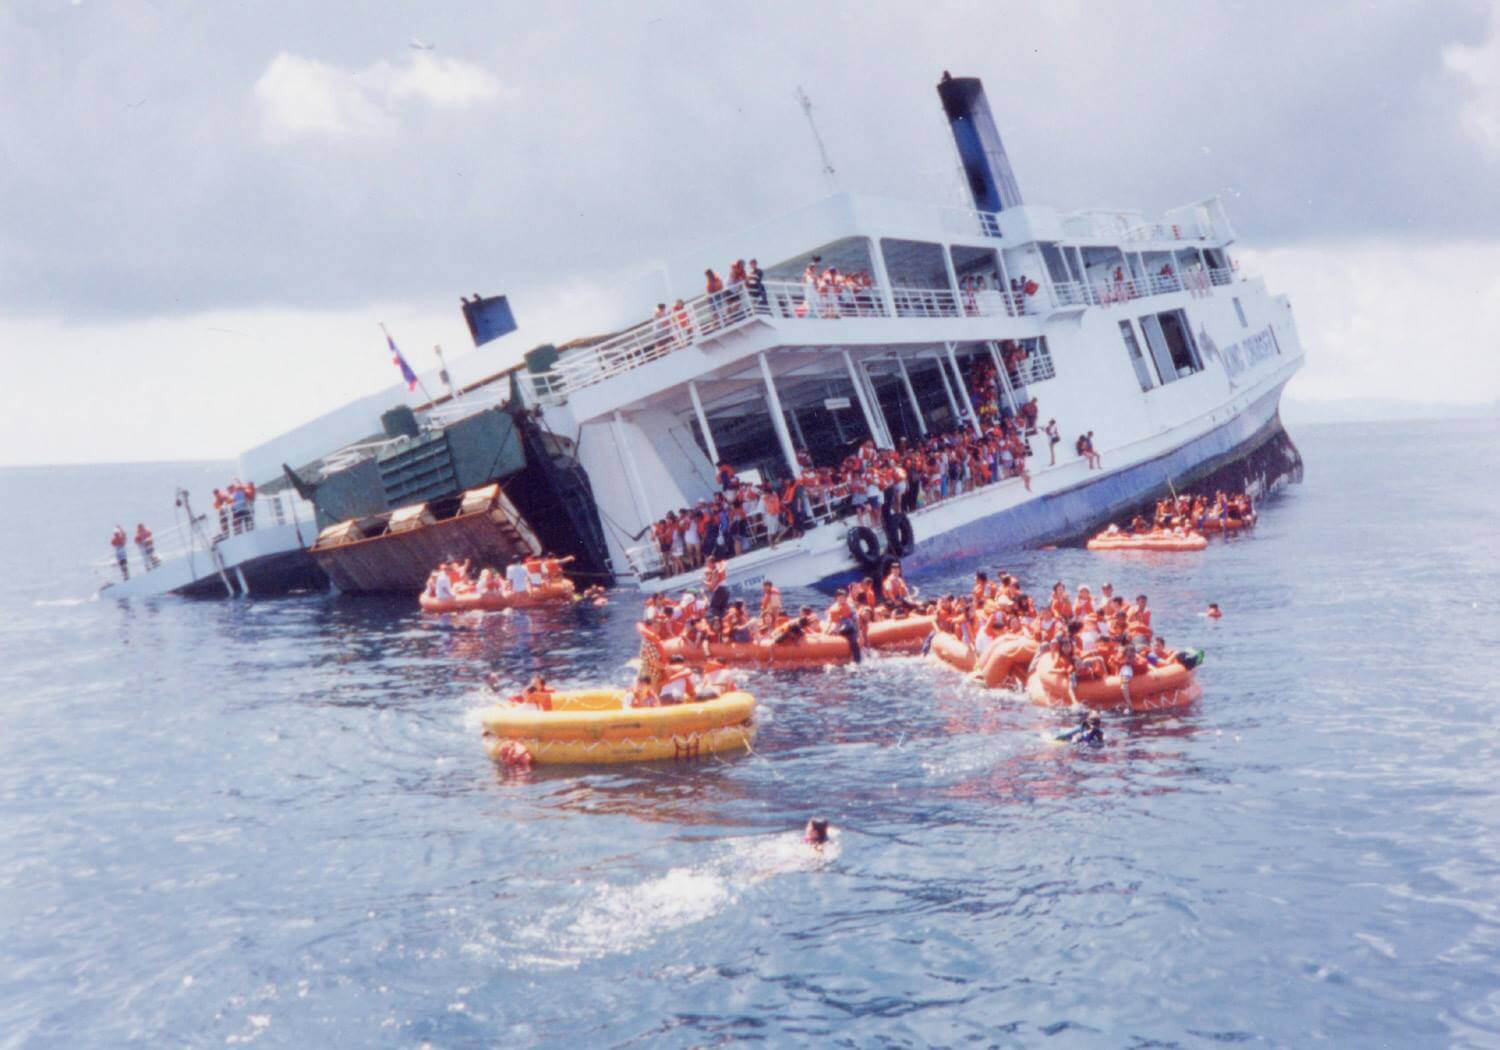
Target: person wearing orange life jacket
117	541
842	620
1138	623
770	608
893	589
147	546
1061	607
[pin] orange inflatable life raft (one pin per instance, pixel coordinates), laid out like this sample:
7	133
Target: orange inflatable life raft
1148	541
552	593
1160	689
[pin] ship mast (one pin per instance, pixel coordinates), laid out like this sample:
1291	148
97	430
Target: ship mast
806	104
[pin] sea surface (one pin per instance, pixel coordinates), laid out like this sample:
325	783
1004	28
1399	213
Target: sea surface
272	823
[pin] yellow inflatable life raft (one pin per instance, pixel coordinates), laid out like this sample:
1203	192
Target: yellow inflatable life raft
591	726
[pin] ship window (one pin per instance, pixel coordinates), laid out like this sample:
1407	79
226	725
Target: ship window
1160	353
1240	312
1180	345
1137	359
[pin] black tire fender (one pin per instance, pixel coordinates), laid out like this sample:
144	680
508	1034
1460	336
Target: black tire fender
902	539
864	546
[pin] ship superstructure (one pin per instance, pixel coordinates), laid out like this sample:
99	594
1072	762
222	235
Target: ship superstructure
1141	331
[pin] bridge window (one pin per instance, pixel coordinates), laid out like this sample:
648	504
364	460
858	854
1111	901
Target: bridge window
1137	359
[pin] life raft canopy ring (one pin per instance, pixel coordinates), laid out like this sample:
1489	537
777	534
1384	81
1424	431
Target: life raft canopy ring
864	546
901	538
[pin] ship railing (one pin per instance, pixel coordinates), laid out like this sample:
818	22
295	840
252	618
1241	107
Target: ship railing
926	302
791	300
646	342
992	302
1196	282
455	409
712	314
213	525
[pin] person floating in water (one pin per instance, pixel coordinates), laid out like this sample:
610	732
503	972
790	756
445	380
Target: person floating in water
816	833
1089	732
1214	612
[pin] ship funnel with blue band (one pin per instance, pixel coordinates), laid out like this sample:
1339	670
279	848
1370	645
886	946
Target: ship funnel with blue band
987	168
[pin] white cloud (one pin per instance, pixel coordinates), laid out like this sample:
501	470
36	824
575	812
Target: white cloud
1416	322
301	97
212	384
1480	66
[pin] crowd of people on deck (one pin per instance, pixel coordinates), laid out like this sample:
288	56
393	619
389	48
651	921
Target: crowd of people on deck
235	506
828	292
457	579
869	485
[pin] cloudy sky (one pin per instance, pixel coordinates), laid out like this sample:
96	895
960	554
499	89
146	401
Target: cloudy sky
205	209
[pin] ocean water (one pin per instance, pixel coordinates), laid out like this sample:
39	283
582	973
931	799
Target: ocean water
272	823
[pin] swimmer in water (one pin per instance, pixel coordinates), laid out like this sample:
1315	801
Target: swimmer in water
1214	612
816	833
1089	731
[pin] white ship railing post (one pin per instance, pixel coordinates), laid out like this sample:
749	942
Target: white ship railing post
911	393
1004	378
708	435
876	432
778	418
637	489
962	388
879	410
948	388
882	278
952	282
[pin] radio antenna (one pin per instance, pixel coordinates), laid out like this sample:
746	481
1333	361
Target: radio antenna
806	104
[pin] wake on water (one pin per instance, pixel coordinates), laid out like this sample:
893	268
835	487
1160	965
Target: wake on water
618	918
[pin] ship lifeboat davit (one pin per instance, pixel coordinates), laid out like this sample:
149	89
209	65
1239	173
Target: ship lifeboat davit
1148	541
554	593
1160	689
593	726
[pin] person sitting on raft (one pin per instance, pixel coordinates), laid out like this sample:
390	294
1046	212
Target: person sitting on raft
679	687
537	693
898	596
735	626
517	578
797	628
642	694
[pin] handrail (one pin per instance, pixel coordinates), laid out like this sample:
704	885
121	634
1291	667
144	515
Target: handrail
279	508
710	315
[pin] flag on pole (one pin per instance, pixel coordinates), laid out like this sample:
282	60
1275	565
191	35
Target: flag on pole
400	362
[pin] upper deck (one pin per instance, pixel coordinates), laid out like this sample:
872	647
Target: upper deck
934	274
